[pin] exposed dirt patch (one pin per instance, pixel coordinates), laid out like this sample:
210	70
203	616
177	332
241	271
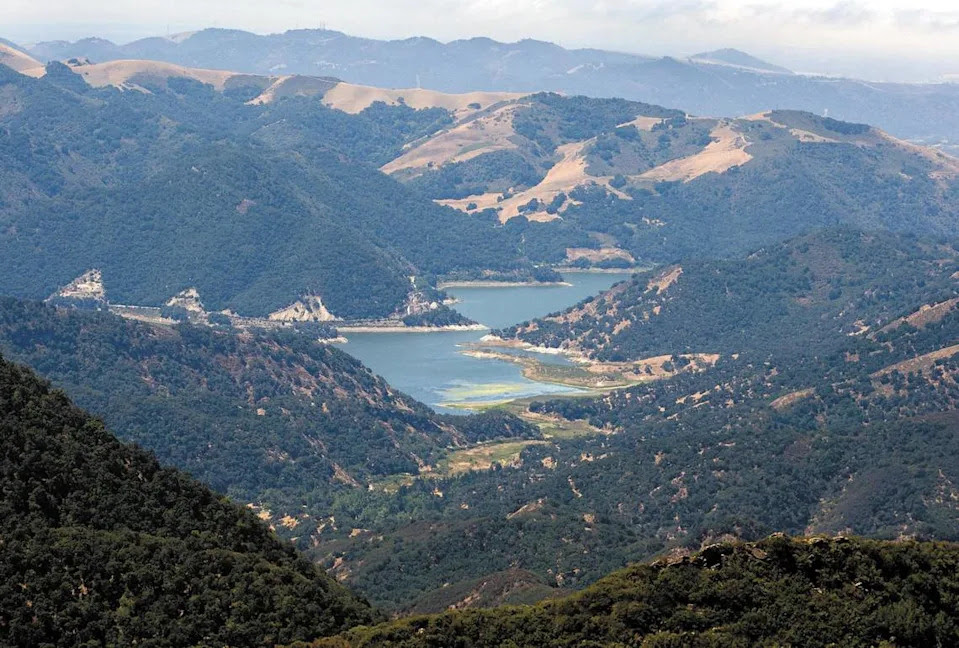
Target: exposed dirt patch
22	63
295	86
661	282
798	133
727	150
89	285
188	299
356	98
606	253
475	203
309	308
787	400
926	315
919	363
567	174
526	509
465	141
644	123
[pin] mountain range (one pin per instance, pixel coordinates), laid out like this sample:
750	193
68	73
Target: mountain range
723	83
261	196
200	214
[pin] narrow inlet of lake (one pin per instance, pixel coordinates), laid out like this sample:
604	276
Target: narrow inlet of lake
431	366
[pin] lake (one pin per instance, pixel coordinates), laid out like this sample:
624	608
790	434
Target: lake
430	367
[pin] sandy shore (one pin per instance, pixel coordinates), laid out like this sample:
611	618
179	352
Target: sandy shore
499	284
622	271
411	329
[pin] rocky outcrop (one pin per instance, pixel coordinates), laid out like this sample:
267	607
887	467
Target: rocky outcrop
86	287
308	308
189	300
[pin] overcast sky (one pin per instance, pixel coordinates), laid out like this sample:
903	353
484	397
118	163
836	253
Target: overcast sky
876	39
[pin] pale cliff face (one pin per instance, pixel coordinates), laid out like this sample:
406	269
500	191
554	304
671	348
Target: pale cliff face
309	308
89	285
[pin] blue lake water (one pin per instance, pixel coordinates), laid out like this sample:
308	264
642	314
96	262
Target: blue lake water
430	366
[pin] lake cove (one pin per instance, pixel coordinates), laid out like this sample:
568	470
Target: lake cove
433	368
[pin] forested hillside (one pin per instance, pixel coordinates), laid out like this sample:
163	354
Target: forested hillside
652	185
258	197
276	419
102	546
841	419
810	293
177	185
784	592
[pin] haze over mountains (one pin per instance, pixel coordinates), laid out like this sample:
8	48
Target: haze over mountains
783	358
715	84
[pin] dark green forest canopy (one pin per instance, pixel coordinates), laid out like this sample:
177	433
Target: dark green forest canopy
784	592
102	546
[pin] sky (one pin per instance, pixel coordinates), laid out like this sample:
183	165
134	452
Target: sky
880	39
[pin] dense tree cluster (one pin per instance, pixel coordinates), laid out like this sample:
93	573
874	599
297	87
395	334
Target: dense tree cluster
102	546
784	592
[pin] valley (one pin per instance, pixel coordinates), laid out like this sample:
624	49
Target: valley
321	341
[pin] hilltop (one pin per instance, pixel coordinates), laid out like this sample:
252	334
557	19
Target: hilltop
739	59
103	546
650	184
20	61
780	591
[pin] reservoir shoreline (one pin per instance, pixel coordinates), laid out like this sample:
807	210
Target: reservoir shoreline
433	368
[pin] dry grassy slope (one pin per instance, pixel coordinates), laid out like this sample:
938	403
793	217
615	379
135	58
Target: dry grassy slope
129	74
353	98
482	133
730	145
22	63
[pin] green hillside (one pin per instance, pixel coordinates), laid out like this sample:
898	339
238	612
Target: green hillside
253	205
654	185
275	419
778	592
811	290
102	546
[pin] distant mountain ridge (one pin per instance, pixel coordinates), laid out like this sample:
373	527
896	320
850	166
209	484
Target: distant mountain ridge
738	58
726	83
